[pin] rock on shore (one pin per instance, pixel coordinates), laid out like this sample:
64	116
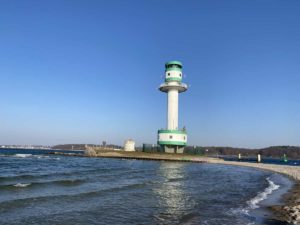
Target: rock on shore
294	213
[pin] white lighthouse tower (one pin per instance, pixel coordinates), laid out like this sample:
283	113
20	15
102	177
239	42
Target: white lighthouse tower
172	139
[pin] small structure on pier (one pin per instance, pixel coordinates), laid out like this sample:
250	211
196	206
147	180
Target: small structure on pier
129	145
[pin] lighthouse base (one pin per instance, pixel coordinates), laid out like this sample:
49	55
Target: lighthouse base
172	141
173	149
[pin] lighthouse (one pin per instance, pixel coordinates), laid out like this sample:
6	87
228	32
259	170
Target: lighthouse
172	139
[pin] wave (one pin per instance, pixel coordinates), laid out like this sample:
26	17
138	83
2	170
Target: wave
175	179
42	156
243	211
69	182
21	185
25	176
72	197
35	156
55	174
23	155
253	203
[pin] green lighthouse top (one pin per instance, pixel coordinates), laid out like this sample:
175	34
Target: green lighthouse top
170	63
173	65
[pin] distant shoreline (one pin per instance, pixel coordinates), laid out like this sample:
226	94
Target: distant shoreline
41	149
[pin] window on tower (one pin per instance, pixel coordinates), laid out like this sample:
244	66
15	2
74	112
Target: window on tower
171	136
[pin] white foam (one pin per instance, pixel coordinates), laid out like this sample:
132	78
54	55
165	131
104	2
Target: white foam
23	155
21	185
253	203
41	156
244	211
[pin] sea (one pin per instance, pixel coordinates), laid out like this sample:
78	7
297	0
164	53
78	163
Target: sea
38	188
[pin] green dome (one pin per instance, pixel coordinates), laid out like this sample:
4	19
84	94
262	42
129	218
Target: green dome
173	63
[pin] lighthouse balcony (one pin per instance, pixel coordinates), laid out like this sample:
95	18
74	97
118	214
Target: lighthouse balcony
165	87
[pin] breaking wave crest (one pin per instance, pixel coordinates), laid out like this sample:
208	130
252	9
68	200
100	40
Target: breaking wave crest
69	182
253	203
21	185
23	155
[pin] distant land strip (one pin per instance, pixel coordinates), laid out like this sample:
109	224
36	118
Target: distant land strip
292	152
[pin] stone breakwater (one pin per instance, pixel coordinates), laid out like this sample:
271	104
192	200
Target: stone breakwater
291	171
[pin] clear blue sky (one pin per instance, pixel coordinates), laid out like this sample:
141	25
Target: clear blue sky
86	71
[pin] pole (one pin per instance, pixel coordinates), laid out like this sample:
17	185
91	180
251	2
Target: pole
259	158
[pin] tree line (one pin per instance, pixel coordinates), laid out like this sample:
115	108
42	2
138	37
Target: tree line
273	151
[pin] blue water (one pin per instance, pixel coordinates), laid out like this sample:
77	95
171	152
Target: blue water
11	151
51	189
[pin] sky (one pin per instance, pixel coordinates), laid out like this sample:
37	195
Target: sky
87	71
